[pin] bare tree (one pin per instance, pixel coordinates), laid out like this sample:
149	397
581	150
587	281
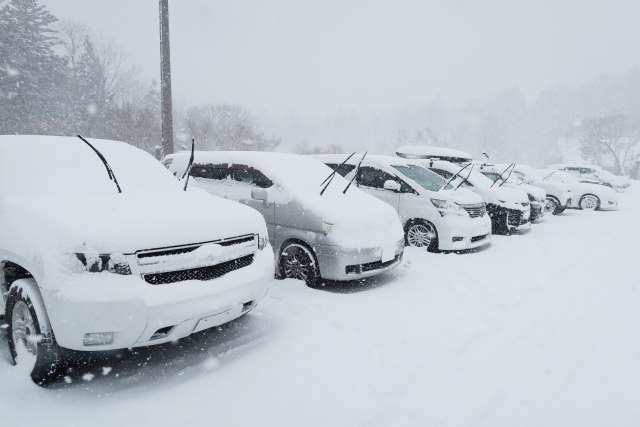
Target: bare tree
609	138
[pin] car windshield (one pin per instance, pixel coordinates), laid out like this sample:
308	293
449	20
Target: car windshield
423	177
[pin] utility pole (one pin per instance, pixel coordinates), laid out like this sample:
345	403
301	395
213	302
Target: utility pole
165	80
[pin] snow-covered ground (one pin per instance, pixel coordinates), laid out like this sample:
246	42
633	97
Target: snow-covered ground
541	329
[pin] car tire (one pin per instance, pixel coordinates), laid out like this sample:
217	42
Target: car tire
553	206
589	202
421	234
298	262
24	325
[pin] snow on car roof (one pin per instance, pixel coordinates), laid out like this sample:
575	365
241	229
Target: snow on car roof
35	164
301	176
426	152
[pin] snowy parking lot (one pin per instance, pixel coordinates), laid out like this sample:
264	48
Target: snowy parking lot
540	329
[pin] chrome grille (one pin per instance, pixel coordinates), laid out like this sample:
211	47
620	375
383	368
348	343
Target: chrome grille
177	250
476	210
200	273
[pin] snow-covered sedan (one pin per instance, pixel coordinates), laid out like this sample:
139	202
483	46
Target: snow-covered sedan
102	249
559	194
320	226
588	173
586	195
433	216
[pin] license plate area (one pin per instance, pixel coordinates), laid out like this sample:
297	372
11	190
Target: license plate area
388	254
218	319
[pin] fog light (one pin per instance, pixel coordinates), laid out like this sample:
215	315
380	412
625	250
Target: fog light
457	239
98	338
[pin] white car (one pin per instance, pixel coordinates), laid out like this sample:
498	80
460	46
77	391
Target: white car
433	217
587	173
504	176
586	195
509	208
110	254
317	232
559	194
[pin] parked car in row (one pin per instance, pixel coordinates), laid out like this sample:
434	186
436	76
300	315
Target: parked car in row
586	195
335	233
101	249
559	194
434	215
593	173
503	175
508	208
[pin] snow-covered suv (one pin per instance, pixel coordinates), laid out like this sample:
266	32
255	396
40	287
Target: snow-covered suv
91	263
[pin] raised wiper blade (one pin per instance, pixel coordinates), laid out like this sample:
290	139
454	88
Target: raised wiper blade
112	176
548	176
454	176
355	174
512	166
333	174
500	177
465	179
188	169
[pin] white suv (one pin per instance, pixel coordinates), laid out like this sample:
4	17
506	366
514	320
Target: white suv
102	249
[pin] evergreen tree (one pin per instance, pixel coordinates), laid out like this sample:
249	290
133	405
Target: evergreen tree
32	76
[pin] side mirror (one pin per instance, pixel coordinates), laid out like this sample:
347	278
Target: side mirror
260	194
392	185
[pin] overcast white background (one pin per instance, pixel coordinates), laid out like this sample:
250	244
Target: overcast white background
317	57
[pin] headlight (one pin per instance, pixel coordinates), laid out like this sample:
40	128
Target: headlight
326	228
448	208
95	263
262	241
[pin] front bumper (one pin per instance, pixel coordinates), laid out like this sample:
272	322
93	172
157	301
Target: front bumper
460	233
338	263
506	221
135	310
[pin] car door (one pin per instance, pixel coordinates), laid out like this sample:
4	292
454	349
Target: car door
371	180
246	178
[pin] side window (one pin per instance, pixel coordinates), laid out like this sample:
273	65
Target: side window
374	178
167	163
404	187
218	172
343	170
250	175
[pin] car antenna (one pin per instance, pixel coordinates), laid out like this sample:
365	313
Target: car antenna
465	179
512	166
355	174
503	172
454	176
112	176
188	169
333	174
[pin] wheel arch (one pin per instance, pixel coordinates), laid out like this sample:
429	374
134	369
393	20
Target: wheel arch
593	195
412	221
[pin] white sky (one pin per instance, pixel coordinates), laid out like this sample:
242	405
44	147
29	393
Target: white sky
317	57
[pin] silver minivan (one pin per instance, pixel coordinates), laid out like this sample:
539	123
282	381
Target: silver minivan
336	235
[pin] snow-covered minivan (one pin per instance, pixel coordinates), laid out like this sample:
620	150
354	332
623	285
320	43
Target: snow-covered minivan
102	249
318	232
508	208
435	215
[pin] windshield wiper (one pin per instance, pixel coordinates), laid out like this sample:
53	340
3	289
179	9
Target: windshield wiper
465	179
188	169
333	174
548	176
454	177
500	177
355	174
512	166
112	176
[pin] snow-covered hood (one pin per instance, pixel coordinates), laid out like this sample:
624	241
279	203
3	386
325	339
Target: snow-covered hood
511	198
536	192
461	196
123	223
